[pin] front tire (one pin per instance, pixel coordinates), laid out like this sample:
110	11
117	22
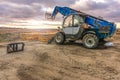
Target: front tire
90	41
59	38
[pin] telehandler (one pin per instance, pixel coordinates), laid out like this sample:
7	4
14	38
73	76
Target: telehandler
81	26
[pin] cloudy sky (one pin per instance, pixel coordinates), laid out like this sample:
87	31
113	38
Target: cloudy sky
30	13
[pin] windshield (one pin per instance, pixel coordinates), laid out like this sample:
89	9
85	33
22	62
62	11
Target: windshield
78	20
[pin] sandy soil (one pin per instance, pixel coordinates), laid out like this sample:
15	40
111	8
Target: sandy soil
40	61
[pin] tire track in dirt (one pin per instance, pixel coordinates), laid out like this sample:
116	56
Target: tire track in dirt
98	70
65	62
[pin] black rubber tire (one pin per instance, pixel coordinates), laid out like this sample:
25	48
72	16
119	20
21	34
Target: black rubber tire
90	41
59	38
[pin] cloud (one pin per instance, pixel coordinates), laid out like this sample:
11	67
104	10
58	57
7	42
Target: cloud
10	10
106	8
13	11
26	9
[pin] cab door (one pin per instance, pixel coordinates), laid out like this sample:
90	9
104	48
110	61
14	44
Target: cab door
68	25
77	21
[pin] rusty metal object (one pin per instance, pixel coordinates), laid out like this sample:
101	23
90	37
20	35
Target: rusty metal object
15	47
84	25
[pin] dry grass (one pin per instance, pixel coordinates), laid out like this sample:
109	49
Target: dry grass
43	37
9	37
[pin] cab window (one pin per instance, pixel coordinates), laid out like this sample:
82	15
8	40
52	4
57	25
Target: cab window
78	20
68	21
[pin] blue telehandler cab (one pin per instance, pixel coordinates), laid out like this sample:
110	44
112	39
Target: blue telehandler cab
81	26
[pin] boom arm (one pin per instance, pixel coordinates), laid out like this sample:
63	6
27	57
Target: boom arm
95	22
65	11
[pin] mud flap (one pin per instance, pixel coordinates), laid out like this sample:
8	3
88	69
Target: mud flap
15	47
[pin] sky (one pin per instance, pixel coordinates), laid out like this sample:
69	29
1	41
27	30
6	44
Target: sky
31	13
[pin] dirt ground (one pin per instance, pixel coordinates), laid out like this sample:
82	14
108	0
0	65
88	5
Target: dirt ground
40	61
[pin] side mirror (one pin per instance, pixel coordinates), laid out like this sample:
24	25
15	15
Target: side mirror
59	28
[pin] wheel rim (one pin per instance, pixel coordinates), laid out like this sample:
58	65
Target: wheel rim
58	38
90	41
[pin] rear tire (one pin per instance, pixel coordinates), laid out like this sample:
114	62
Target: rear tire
59	38
90	41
